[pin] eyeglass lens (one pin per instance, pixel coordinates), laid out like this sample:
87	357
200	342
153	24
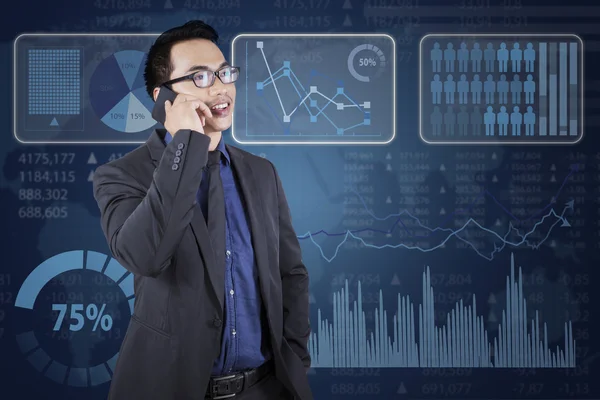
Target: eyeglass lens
206	78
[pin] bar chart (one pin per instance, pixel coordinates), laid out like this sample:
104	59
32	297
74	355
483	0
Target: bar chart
416	341
501	89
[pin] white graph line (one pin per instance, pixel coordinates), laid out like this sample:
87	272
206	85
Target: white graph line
325	97
271	76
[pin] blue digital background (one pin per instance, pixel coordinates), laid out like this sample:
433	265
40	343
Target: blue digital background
439	225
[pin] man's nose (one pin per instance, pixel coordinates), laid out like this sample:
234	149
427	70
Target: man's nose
218	88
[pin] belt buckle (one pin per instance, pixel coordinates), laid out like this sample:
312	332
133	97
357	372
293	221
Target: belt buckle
215	388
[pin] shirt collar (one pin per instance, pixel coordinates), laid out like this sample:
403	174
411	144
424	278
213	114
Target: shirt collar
221	146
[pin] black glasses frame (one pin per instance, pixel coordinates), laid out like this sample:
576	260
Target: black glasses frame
214	74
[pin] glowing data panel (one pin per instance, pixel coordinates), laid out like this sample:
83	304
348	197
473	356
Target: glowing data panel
315	89
81	88
501	89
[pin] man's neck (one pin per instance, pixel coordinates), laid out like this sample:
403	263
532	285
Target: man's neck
215	137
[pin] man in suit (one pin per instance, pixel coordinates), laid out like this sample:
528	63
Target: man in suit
221	292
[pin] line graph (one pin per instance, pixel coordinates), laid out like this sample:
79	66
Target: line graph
300	90
462	342
315	89
522	238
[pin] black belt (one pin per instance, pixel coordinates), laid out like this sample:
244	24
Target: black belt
223	387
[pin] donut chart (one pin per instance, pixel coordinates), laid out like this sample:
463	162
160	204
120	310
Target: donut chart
118	92
95	270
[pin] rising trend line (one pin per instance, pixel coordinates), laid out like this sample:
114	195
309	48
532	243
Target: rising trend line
560	218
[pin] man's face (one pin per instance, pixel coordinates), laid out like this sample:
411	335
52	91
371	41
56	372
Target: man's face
196	55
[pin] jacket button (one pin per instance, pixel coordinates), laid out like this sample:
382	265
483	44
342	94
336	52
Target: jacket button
217	322
180	146
174	167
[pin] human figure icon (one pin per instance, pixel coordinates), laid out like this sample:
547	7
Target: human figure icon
476	56
529	121
516	88
463	121
463	89
476	89
436	58
436	89
516	119
489	120
489	87
502	58
449	121
449	57
503	122
436	120
516	57
529	57
529	89
463	57
476	121
489	55
502	88
449	89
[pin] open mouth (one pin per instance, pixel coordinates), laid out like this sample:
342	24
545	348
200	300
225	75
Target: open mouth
221	109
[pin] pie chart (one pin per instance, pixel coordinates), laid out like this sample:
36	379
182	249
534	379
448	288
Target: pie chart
118	92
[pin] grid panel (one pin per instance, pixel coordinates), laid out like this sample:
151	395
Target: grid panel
54	85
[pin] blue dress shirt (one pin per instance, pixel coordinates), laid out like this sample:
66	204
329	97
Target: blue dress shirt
244	332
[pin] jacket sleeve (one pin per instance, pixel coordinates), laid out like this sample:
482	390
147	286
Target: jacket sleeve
144	225
294	282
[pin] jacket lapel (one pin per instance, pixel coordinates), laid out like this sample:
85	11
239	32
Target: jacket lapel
156	147
215	274
247	180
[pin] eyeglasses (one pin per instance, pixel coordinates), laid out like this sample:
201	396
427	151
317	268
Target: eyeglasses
206	78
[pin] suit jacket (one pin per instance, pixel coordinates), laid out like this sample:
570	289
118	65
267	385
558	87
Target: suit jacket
156	230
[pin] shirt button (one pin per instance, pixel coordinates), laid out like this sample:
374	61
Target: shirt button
231	292
228	253
233	332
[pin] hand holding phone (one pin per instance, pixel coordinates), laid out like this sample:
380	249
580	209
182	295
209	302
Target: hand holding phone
180	111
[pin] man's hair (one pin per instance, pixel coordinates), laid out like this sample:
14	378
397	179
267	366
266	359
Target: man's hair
158	63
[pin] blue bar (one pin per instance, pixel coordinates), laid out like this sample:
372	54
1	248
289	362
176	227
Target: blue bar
543	68
553	100
553	88
519	304
344	338
430	327
573	68
543	82
573	89
563	94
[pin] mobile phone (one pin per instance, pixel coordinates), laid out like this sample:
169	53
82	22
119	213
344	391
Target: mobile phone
158	112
